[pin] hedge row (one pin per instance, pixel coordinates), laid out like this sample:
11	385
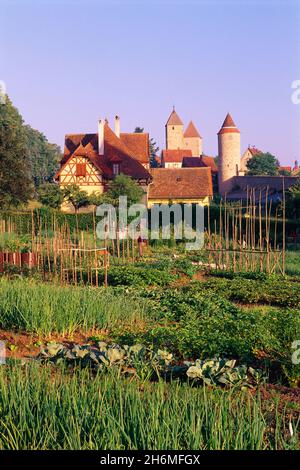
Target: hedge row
22	219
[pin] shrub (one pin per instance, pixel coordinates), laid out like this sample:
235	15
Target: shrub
138	276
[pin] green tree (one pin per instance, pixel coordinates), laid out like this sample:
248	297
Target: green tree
263	164
153	148
50	194
42	156
75	196
284	172
96	198
15	180
293	201
123	185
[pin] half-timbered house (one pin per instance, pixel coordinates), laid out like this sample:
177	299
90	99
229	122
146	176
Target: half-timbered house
92	160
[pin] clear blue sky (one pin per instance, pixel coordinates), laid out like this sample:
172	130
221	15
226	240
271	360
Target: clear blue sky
66	63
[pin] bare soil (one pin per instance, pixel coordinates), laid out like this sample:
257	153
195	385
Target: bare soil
22	345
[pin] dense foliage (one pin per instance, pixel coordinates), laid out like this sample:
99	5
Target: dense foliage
42	157
263	164
293	201
15	175
75	196
50	195
123	185
27	159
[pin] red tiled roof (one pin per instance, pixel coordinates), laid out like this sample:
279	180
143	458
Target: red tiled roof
71	143
174	119
81	151
200	162
138	143
228	121
175	156
287	168
180	183
210	161
254	151
228	125
86	145
191	131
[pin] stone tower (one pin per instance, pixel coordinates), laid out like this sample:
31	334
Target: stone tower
192	140
229	145
174	132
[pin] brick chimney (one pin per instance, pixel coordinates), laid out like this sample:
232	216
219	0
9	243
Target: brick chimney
101	137
117	126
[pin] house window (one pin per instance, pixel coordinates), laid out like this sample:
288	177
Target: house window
80	169
116	169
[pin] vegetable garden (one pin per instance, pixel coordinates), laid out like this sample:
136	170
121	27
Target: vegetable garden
176	352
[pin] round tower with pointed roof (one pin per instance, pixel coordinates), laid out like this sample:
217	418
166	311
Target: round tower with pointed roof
229	146
192	140
174	132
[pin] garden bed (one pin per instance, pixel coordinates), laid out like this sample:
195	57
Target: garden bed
165	304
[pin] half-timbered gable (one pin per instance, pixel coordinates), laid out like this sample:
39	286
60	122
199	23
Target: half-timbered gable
80	170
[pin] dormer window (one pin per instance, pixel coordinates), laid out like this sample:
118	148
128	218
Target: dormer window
116	169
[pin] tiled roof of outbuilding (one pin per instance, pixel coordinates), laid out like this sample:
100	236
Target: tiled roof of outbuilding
181	183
